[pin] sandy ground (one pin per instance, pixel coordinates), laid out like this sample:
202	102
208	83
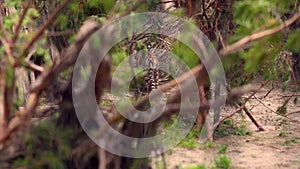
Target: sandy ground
260	150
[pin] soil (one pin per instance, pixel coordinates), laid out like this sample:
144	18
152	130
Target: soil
276	147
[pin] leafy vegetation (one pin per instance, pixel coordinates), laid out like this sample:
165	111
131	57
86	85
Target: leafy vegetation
228	127
190	140
46	147
40	41
290	141
223	149
196	167
222	162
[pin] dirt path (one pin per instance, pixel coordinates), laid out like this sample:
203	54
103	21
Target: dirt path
277	147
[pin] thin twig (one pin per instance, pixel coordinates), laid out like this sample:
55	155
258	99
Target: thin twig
262	98
260	101
240	108
295	112
267	94
293	95
17	30
6	45
43	28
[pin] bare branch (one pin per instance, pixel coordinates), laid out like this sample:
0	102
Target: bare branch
33	66
2	110
241	107
6	45
260	128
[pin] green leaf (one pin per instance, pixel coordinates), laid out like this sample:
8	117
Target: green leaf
186	54
107	5
254	57
179	12
40	51
202	166
33	12
282	110
8	22
63	21
223	162
22	162
118	57
293	41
